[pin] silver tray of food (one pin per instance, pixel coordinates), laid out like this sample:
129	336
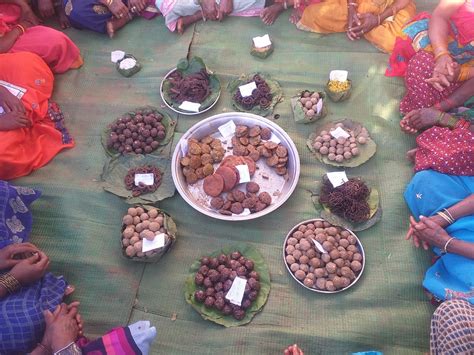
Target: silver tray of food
235	166
204	106
323	258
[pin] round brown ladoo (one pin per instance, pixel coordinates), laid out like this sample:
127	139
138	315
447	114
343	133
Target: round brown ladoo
213	185
229	175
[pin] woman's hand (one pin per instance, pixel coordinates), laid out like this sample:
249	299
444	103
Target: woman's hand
10	102
137	6
29	16
419	119
352	22
225	9
46	8
10	255
31	269
209	9
367	22
118	9
293	350
62	326
429	233
13	120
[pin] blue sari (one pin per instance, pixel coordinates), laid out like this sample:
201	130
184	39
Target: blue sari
452	275
21	314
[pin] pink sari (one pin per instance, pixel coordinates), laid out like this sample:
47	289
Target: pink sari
54	47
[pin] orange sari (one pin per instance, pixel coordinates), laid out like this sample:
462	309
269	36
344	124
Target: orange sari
56	49
24	150
330	16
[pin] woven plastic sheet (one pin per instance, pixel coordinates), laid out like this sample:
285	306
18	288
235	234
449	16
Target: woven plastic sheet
78	223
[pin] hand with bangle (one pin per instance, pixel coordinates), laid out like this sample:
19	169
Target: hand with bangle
428	233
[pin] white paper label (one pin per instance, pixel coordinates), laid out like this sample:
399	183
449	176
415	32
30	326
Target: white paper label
319	247
236	291
17	91
262	41
184	148
115	56
337	178
338	75
128	63
243	173
227	129
339	132
275	139
319	106
247	89
147	179
190	106
157	242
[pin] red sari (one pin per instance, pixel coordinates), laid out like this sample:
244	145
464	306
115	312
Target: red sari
24	150
56	49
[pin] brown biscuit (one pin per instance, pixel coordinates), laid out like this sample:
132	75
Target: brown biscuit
229	175
213	185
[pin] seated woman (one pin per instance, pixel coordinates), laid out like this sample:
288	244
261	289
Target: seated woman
378	22
444	209
447	145
19	32
106	16
181	14
452	328
50	8
32	127
24	280
32	315
435	54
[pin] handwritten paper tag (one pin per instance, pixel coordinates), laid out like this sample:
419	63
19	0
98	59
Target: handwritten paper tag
157	242
338	75
337	178
236	291
319	106
247	89
190	106
17	91
115	56
243	173
339	132
227	129
147	179
319	246
262	41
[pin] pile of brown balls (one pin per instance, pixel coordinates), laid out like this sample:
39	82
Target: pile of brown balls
129	180
139	133
214	279
340	149
236	201
139	224
331	271
309	101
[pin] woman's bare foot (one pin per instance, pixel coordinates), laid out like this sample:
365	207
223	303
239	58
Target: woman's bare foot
411	154
271	13
62	19
295	16
185	21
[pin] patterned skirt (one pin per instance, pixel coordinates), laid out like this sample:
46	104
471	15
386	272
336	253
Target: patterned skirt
452	328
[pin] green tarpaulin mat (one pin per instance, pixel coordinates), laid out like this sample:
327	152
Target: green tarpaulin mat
78	224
